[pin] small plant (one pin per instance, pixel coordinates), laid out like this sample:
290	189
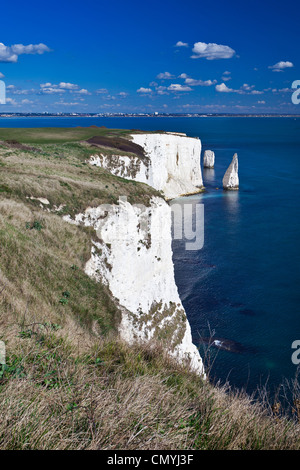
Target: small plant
51	379
36	225
26	334
63	301
98	361
66	294
53	326
72	406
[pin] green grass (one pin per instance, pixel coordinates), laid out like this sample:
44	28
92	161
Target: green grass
56	135
59	135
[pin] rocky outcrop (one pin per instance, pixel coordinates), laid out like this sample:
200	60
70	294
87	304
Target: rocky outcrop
231	177
132	254
171	163
209	159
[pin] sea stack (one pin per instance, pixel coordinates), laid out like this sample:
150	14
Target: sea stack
231	177
209	159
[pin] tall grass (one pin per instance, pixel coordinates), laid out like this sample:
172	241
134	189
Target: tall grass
103	394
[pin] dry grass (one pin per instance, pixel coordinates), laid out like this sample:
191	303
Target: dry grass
112	396
42	272
60	173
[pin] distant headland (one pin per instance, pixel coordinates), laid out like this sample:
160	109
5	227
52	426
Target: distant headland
155	114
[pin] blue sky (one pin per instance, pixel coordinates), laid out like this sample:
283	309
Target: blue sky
165	56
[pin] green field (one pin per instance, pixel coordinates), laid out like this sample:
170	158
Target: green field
56	135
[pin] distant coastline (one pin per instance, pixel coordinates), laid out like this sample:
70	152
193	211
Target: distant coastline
140	115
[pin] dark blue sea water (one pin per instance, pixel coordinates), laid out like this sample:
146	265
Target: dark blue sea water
244	283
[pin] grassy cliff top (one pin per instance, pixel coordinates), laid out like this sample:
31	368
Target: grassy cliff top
51	163
56	135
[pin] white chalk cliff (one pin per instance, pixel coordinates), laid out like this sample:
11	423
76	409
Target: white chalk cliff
132	251
209	159
231	177
171	163
132	254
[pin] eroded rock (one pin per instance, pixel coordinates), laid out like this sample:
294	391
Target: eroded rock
231	177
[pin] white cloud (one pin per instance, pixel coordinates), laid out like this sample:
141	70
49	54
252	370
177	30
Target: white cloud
51	89
11	53
67	104
261	102
11	101
101	91
280	66
68	86
63	87
144	90
178	87
17	91
165	76
247	87
192	82
281	90
226	76
1	75
161	90
26	101
106	105
243	90
222	88
181	44
183	75
83	91
212	51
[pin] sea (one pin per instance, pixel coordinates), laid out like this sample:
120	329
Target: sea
241	290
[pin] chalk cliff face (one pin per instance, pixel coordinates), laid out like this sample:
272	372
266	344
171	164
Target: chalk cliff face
133	168
231	177
132	254
171	163
209	159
